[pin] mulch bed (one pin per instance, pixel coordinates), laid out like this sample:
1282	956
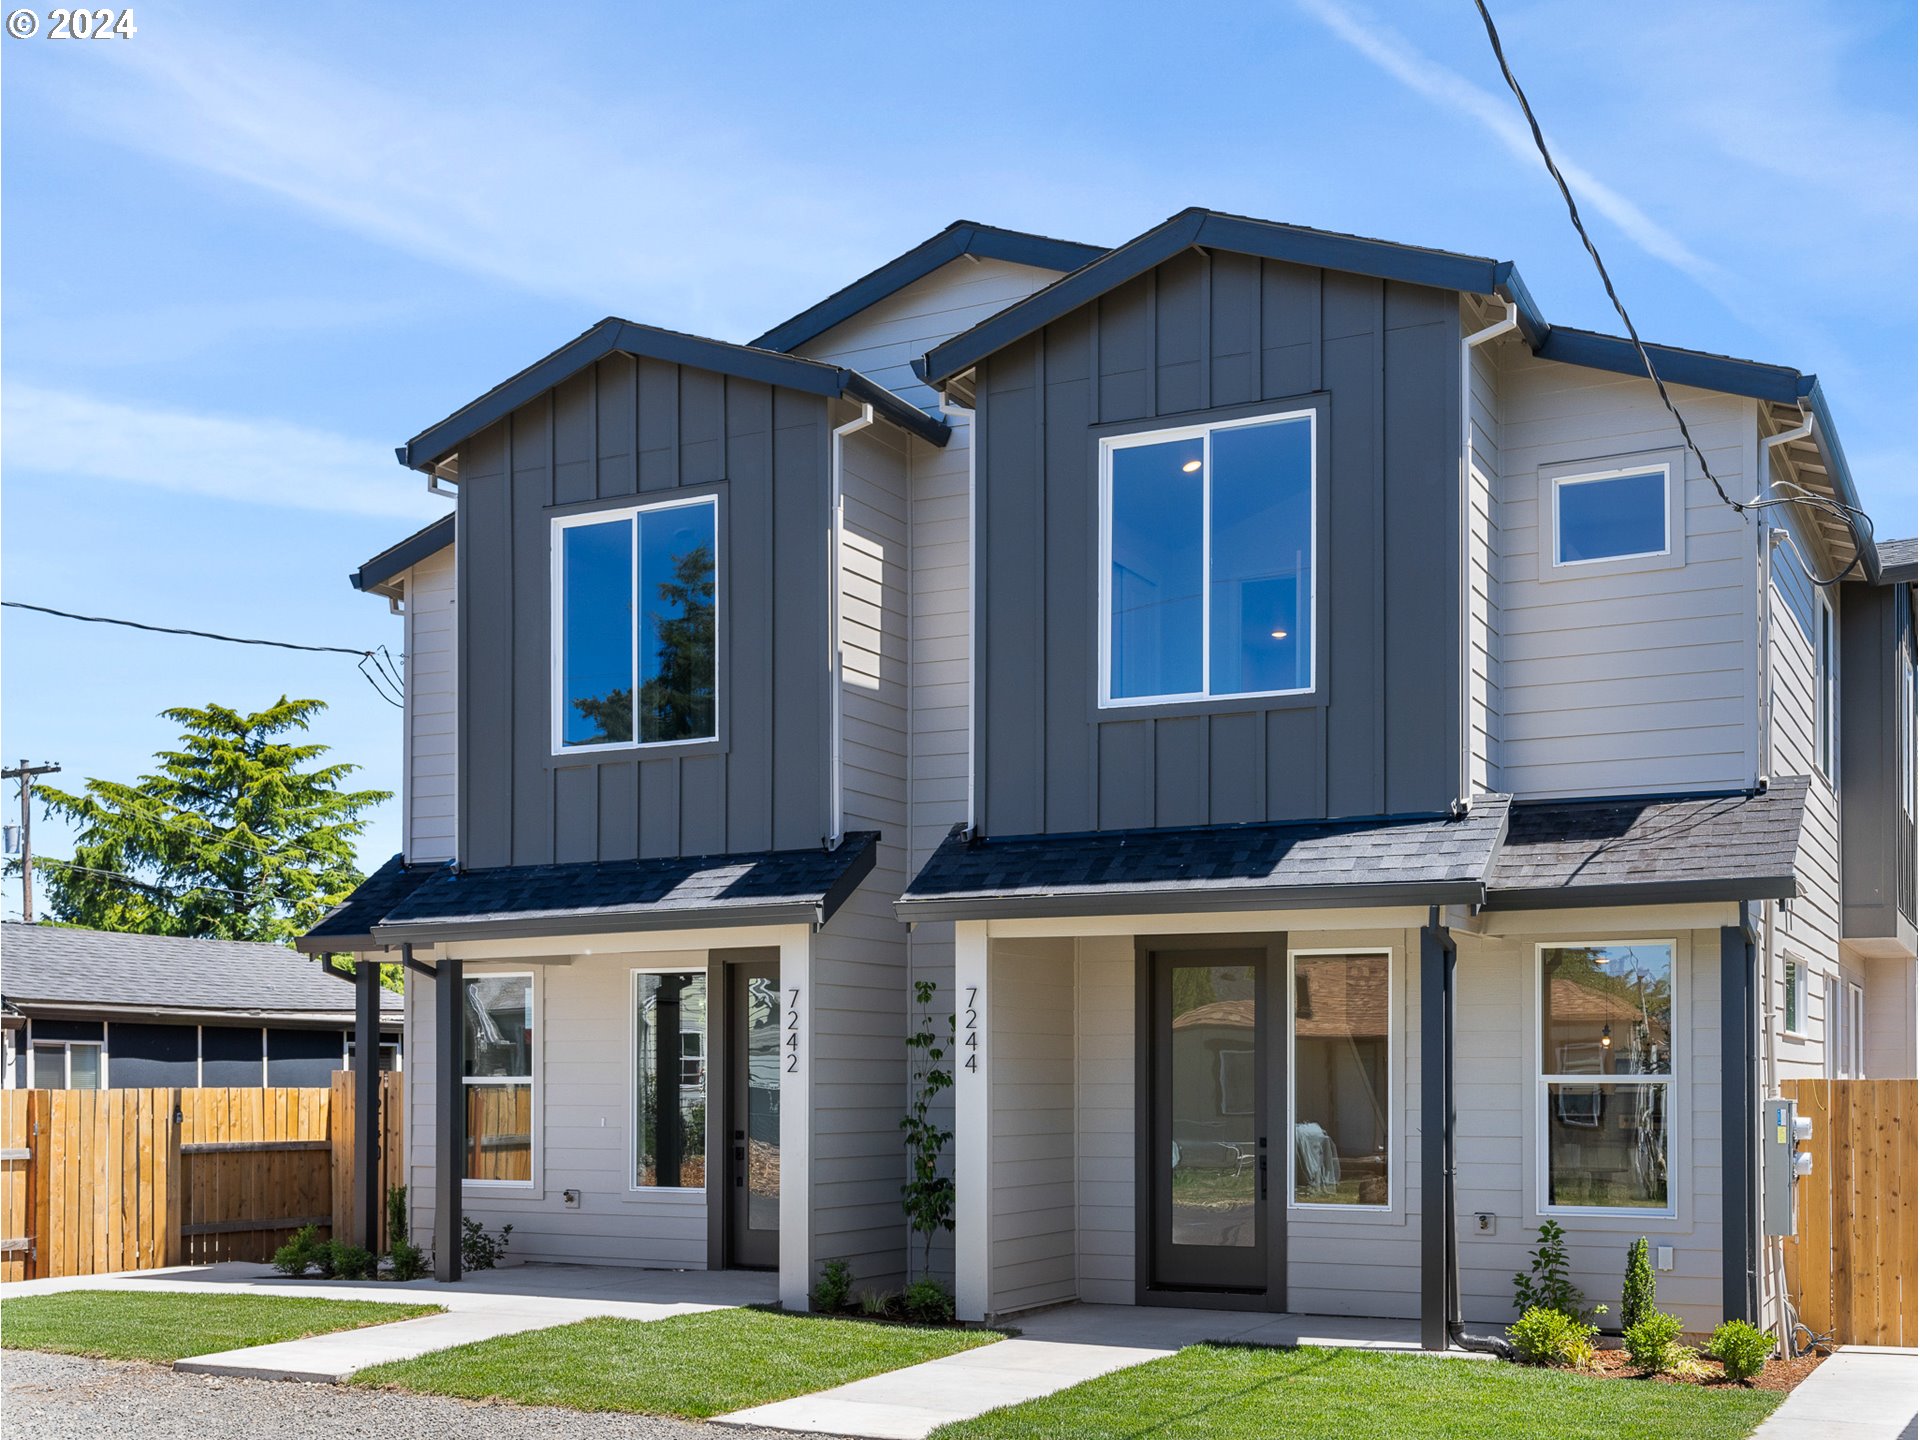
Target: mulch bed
1781	1375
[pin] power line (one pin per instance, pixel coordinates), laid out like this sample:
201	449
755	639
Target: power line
1841	511
137	883
262	848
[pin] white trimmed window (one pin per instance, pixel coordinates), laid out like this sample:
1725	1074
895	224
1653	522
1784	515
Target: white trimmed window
1605	1069
1340	1087
635	621
1611	515
1793	1001
66	1065
1826	695
1207	561
498	1026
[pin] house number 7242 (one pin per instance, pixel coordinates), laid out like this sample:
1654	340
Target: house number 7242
792	1040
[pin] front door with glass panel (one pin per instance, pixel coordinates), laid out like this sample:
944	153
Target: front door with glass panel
753	1127
1215	1222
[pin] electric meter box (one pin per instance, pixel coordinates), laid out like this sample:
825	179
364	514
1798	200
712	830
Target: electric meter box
1782	1131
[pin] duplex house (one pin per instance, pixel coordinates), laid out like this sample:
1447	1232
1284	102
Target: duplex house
1360	782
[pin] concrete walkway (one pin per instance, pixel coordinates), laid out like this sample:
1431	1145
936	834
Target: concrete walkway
1864	1392
1055	1349
479	1307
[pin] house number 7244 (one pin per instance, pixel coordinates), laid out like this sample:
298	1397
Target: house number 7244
972	1028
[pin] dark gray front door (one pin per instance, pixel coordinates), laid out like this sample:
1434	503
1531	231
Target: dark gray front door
1216	1211
753	1179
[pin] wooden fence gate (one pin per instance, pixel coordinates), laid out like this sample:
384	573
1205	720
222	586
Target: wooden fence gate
1853	1270
94	1181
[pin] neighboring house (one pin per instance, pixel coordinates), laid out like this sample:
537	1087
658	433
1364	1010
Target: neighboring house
99	1009
1360	790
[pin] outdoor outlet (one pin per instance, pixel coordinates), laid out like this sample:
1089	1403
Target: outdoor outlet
572	1197
1664	1256
1483	1222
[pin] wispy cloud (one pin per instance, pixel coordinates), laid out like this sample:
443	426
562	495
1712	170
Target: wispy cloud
262	462
1500	116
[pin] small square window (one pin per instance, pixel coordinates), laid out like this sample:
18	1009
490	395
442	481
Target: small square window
1619	515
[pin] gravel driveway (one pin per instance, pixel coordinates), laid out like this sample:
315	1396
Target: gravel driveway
54	1397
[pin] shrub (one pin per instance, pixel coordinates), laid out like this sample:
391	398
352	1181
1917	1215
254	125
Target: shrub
1546	1284
298	1255
352	1262
1653	1342
406	1260
478	1249
1544	1336
323	1259
1636	1291
397	1215
834	1289
1741	1349
875	1303
928	1302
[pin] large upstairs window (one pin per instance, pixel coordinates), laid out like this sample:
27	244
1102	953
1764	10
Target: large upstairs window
634	627
1207	565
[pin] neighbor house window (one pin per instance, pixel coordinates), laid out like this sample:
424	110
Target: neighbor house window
634	625
499	1078
1616	515
1208	563
1794	997
66	1065
1826	695
670	1080
1342	1079
1606	1075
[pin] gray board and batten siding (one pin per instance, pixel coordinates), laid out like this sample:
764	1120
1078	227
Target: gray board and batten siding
1208	335
621	431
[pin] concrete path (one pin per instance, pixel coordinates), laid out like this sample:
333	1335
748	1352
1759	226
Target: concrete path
1055	1349
480	1307
1864	1392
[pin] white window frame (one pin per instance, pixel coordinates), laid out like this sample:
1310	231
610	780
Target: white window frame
1104	618
536	1056
66	1049
556	624
1561	482
1794	990
1909	696
712	976
1545	1080
1395	1032
1826	687
1856	1029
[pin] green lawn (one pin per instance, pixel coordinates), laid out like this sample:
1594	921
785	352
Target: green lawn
689	1365
164	1326
1214	1392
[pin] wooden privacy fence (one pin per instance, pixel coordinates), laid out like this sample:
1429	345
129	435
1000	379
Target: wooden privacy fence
102	1180
1853	1268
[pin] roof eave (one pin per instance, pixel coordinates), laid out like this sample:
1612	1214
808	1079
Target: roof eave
1648	892
377	575
1186	901
598	922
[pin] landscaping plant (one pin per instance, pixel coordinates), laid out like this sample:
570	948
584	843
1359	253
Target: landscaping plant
1544	1336
351	1262
1741	1349
927	1196
478	1249
1636	1291
834	1289
928	1301
1653	1343
875	1304
1546	1285
406	1260
300	1253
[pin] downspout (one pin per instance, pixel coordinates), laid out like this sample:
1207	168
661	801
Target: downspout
1465	719
1769	538
953	413
836	523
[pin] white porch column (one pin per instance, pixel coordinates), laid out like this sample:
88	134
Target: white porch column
972	1123
796	1118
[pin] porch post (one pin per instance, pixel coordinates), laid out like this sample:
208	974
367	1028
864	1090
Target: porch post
796	1120
972	1123
366	1100
1739	1099
1436	1116
449	1118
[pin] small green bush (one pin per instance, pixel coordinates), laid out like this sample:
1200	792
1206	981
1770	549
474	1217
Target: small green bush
1546	1285
406	1260
1544	1336
1636	1292
928	1302
1741	1349
1653	1342
397	1215
876	1304
300	1253
351	1262
478	1249
834	1289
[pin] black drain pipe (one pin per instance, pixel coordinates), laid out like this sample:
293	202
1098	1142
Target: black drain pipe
1442	950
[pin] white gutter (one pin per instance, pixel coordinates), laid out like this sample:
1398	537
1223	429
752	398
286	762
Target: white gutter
952	412
1510	322
836	524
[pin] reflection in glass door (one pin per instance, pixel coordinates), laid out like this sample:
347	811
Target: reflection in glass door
753	1191
1209	1156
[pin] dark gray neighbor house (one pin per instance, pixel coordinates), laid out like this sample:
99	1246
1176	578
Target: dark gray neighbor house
97	1010
1359	790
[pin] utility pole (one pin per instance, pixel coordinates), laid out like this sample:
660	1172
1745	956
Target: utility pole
24	773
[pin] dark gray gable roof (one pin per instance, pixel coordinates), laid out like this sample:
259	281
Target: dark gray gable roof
349	925
399	558
963	237
1391	861
1899	561
613	334
764	887
1647	851
51	964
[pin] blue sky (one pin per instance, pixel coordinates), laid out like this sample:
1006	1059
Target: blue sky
252	248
